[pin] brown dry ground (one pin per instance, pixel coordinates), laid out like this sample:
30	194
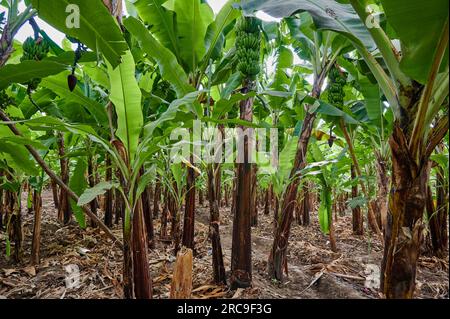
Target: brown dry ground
314	270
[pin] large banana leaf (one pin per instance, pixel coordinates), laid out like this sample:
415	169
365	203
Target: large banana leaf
16	155
98	29
167	62
126	96
161	22
419	25
42	98
193	19
58	84
23	72
327	15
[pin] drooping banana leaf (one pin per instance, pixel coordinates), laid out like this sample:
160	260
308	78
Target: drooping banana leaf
23	72
327	15
97	29
419	25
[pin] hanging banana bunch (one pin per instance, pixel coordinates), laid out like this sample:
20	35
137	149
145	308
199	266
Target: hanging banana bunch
34	50
336	93
248	47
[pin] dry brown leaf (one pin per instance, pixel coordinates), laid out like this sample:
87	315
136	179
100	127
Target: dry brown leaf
30	270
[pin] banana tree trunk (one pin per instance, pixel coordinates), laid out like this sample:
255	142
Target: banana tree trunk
404	220
214	232
241	254
64	210
254	198
148	218
175	221
55	194
164	216
383	188
357	215
189	214
156	198
370	207
277	257
142	280
439	216
200	197
36	241
109	194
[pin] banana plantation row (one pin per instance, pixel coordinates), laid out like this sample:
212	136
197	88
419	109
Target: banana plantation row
357	93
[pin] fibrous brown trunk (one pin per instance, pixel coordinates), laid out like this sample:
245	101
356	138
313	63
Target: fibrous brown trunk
404	221
141	272
278	253
383	188
200	197
156	198
164	216
241	254
189	213
253	198
55	193
35	245
306	203
64	210
109	194
370	207
174	208
119	206
214	232
357	215
145	197
438	215
277	257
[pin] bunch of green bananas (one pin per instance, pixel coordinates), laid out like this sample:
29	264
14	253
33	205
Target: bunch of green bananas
248	47
34	50
336	93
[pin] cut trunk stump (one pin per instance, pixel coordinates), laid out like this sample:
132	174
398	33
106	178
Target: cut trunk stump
181	287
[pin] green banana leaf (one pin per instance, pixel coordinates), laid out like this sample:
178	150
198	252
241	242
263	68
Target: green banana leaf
193	18
327	15
167	62
419	25
126	97
98	29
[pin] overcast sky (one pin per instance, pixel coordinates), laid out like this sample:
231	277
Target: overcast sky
57	36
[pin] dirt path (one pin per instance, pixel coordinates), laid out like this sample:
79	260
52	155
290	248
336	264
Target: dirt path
98	263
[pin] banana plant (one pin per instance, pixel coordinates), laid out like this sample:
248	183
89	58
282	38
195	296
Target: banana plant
415	85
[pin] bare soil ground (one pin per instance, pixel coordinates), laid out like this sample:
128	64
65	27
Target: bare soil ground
314	271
